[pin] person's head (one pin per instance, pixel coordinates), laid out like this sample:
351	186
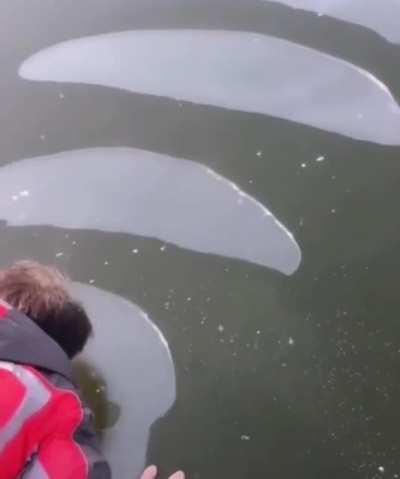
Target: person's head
40	292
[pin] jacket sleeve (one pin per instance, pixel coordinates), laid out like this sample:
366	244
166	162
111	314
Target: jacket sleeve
61	457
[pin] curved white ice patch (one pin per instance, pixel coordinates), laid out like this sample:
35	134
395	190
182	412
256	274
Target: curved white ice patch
382	16
236	70
148	194
133	357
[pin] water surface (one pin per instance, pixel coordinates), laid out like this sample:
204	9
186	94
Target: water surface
276	376
236	70
147	194
151	379
381	17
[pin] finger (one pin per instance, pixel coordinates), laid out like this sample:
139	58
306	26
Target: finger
151	473
178	475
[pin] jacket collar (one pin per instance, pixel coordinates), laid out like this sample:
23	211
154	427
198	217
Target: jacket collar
23	341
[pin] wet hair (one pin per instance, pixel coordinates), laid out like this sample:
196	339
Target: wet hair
40	292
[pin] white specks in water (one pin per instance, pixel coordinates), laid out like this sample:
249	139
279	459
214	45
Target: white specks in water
333	211
106	263
258	332
188	299
381	469
91	281
221	328
291	341
59	254
135	251
304	165
163	248
245	437
333	177
74	243
320	158
259	153
284	365
167	305
21	194
42	137
61	95
301	222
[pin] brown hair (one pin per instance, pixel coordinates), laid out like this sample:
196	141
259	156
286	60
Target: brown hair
40	292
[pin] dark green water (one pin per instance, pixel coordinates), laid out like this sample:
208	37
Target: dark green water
303	381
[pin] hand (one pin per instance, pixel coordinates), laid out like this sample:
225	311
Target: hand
151	473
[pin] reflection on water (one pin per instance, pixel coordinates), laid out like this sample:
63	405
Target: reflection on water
147	194
134	373
379	15
277	377
235	70
94	390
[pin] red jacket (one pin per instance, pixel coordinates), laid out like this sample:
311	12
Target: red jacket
45	431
